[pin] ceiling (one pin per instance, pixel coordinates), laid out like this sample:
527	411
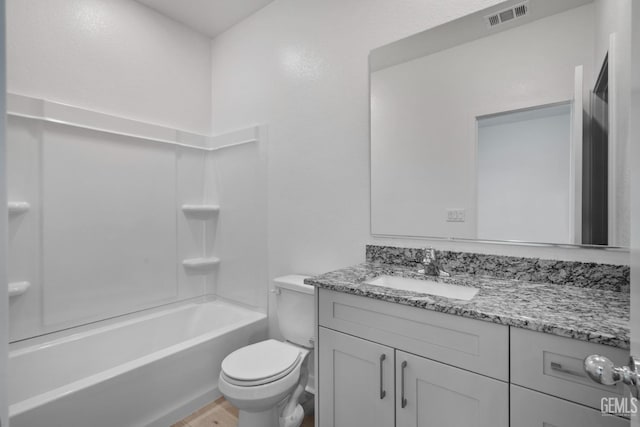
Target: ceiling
210	17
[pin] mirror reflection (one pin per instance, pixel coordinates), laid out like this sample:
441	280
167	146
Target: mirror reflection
507	124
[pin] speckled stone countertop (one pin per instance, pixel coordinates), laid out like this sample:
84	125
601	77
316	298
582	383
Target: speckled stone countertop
594	315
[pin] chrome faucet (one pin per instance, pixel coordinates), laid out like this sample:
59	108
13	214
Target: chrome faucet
431	264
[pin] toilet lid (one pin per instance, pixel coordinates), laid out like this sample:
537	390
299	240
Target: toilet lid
260	361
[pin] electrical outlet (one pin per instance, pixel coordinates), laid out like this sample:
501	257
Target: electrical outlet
455	215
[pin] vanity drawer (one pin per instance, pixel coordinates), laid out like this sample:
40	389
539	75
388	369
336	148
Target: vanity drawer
553	365
532	409
474	345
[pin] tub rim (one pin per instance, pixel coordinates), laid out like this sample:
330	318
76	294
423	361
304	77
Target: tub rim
62	391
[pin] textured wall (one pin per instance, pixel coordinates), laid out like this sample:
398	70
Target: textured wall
113	56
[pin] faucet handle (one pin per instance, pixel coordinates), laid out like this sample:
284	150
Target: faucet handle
431	263
429	255
426	256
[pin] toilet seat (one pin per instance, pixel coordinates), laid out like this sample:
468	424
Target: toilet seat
260	363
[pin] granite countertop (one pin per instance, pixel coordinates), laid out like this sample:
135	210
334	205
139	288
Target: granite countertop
594	315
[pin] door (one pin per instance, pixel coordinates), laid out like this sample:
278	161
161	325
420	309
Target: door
596	180
355	381
429	393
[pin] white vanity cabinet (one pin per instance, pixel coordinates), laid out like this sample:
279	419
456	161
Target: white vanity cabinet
392	365
357	388
383	364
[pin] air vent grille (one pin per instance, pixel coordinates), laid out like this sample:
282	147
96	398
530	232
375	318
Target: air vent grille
520	10
506	15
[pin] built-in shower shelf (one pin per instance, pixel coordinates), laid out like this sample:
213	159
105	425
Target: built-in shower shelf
18	288
201	263
16	208
200	209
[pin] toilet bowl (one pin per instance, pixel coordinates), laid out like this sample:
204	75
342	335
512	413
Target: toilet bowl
265	380
259	379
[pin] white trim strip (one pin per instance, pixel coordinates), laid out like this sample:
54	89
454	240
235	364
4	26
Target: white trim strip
68	115
222	147
112	132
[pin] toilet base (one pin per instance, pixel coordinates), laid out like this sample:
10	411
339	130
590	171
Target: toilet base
268	418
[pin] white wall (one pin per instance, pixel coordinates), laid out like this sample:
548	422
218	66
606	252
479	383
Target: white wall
240	237
4	313
423	134
104	234
113	56
301	68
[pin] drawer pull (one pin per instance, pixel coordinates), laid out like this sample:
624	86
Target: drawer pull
558	367
403	400
382	392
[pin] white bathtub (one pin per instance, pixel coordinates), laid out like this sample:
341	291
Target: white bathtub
149	370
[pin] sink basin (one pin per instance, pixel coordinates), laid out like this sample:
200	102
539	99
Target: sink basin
425	287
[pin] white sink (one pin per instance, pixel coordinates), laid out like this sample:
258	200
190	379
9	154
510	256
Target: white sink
425	287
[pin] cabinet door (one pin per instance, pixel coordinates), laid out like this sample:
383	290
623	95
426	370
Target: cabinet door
532	409
356	382
440	395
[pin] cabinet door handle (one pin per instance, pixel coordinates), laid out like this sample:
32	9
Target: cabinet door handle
403	400
558	367
382	392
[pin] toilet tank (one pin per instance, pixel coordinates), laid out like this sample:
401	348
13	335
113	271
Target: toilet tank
294	308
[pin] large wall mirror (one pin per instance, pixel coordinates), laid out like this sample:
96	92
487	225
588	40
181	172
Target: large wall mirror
508	124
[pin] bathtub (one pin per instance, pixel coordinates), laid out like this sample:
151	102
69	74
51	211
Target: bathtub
145	370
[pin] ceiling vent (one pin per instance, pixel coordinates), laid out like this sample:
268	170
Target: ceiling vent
506	15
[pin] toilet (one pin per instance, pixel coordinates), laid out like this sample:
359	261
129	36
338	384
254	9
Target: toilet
265	380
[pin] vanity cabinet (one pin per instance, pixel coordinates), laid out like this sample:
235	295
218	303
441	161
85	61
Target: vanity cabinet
397	369
357	388
385	364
